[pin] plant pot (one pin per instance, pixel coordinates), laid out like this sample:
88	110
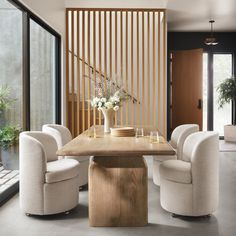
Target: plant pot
230	133
108	119
10	158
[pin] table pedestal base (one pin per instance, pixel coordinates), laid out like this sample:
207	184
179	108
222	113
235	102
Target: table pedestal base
118	191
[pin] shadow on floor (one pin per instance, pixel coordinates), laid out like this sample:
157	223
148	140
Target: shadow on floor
79	212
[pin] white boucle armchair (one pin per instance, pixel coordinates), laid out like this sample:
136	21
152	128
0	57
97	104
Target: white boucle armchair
47	185
190	186
62	136
178	138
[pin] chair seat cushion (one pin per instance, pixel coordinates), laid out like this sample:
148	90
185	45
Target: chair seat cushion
176	171
61	170
79	158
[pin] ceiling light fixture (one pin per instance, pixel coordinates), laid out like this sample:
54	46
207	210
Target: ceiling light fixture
211	41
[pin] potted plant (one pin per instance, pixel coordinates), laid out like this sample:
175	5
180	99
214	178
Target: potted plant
9	142
9	134
5	102
227	94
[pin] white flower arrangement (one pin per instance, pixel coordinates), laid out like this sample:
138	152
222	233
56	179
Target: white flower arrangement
107	98
113	102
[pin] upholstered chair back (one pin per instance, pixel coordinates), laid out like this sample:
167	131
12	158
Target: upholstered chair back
47	185
202	150
47	143
59	132
179	136
36	149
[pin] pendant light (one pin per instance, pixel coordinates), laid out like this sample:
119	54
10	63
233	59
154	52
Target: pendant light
211	40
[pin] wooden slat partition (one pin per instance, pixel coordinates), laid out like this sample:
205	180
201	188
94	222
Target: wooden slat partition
127	46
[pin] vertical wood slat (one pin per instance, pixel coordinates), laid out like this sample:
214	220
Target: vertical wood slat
94	65
121	60
116	116
89	81
148	70
154	69
159	74
126	65
164	76
105	49
132	66
99	57
78	72
67	69
83	72
143	71
110	40
72	76
138	78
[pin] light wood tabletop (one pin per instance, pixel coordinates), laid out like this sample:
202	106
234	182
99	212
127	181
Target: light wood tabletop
106	145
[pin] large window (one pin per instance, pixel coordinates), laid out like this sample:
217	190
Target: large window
42	76
11	65
29	82
29	66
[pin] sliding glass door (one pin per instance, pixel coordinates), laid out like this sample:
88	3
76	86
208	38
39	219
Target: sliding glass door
42	76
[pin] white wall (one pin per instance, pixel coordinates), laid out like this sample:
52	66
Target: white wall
52	11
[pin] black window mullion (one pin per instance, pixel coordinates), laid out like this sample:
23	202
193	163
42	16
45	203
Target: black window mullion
26	71
58	80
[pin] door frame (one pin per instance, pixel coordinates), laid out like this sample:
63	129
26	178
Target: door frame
210	102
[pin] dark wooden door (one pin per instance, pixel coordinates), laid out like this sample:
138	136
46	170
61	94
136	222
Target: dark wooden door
187	73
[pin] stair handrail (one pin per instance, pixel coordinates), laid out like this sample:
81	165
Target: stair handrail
134	99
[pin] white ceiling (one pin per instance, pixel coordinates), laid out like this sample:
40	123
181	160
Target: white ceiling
183	15
193	15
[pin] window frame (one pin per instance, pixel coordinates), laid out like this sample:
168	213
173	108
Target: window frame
28	15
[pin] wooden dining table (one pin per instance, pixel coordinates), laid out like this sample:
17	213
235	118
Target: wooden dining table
117	175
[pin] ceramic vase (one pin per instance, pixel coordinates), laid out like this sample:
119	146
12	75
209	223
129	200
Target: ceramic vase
108	115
